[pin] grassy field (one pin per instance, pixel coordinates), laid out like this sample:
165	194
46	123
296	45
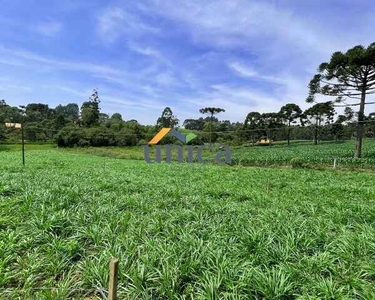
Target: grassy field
300	154
307	154
183	231
17	147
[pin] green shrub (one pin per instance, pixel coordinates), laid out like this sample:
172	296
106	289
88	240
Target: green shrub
69	137
96	137
298	163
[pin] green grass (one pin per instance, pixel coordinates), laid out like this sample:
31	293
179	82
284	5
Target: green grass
18	147
307	154
131	153
183	231
300	153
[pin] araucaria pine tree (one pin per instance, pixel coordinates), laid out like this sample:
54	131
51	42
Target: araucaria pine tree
349	77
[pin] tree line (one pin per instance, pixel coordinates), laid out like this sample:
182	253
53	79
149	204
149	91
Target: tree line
348	77
68	125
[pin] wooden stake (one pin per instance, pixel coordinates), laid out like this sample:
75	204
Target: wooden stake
23	145
335	163
113	279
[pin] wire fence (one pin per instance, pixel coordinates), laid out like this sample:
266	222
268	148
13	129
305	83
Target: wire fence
225	131
199	133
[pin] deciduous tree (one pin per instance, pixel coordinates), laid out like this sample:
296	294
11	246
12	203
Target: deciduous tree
90	111
194	124
167	119
116	116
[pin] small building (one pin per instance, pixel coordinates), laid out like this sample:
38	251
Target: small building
13	125
264	142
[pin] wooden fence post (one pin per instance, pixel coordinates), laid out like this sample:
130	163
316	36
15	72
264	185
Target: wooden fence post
113	279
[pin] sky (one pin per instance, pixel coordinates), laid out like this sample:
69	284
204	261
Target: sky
240	55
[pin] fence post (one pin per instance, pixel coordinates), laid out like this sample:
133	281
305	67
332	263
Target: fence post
335	163
23	143
113	279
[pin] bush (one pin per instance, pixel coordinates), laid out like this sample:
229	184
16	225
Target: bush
2	132
96	137
126	137
99	137
298	163
69	137
142	142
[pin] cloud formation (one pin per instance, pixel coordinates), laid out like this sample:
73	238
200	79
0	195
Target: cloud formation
115	22
144	55
49	28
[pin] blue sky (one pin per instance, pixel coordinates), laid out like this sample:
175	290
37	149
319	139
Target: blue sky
142	56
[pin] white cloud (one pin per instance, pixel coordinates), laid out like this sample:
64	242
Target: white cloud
283	48
24	58
246	71
113	22
241	55
277	35
239	100
12	62
147	51
165	79
236	22
5	87
77	92
49	28
130	106
150	52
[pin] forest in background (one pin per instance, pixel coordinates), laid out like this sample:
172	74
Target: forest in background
70	125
